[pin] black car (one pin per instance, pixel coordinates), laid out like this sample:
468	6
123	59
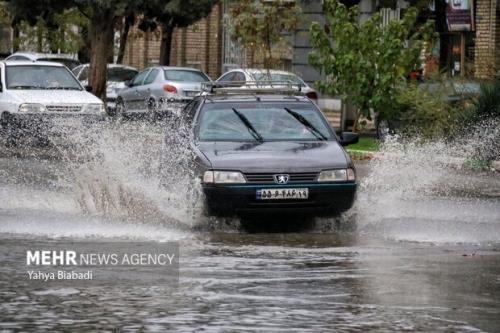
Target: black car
260	152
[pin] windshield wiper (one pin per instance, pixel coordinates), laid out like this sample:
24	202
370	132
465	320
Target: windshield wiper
250	127
300	118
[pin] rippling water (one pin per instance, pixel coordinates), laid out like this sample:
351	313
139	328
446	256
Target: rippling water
422	252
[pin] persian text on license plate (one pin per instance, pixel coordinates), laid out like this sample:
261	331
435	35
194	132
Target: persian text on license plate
282	193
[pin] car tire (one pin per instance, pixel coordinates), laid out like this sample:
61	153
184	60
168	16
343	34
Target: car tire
119	109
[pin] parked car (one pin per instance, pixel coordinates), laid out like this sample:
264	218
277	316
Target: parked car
36	95
65	59
242	77
263	152
117	75
154	87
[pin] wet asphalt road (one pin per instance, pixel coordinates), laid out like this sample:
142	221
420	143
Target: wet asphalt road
399	261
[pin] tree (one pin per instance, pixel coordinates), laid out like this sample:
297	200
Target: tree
102	18
173	14
259	26
366	62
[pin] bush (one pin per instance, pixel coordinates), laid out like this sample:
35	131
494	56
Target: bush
428	112
487	104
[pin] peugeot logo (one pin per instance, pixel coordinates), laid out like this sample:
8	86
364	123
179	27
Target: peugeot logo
281	179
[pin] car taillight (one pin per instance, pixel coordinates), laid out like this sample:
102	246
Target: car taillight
169	88
312	95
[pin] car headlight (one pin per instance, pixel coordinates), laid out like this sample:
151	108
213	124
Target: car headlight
94	108
32	107
223	177
339	175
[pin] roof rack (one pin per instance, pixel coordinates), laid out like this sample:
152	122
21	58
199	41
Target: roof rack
252	87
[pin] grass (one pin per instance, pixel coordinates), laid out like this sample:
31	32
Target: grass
365	144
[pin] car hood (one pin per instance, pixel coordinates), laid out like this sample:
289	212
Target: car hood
275	156
54	96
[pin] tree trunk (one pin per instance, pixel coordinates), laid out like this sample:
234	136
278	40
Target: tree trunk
123	39
166	43
101	33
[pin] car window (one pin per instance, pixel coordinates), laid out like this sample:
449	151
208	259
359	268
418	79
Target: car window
77	70
121	74
226	77
137	81
40	77
279	77
238	77
17	57
151	76
184	75
220	122
84	74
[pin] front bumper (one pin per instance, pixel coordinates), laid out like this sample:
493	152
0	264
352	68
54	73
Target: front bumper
325	199
45	123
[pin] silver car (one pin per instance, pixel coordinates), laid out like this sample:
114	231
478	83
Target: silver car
241	76
155	87
117	75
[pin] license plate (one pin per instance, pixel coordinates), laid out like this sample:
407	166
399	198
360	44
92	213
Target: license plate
282	193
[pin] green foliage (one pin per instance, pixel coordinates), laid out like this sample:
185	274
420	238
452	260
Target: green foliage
259	26
365	144
366	62
487	104
62	35
428	112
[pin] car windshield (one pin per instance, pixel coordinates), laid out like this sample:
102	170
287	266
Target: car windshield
184	75
263	76
40	77
262	122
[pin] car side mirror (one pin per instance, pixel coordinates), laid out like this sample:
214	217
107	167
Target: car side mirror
88	88
128	83
348	138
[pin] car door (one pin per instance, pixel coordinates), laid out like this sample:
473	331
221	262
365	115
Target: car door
131	96
147	90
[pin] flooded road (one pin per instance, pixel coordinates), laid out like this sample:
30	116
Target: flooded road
420	251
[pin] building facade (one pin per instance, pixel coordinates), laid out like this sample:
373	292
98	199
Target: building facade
469	48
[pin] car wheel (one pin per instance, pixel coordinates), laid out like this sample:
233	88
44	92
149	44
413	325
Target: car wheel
119	109
383	129
151	108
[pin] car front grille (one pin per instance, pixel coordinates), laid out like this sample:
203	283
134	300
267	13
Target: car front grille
268	178
64	108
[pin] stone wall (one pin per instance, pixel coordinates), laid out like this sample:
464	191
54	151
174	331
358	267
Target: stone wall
487	49
198	45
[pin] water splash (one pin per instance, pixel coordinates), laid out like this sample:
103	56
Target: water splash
126	170
424	191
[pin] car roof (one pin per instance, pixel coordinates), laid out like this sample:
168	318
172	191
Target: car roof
180	68
36	55
256	98
32	63
112	66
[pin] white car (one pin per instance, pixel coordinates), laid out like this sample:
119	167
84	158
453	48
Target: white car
61	58
117	75
242	76
35	95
